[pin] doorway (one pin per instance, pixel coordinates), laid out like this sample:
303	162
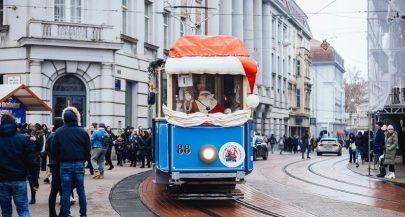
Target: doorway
69	91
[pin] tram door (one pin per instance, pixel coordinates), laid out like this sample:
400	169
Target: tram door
69	91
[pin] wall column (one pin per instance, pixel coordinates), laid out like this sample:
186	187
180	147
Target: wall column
225	19
107	92
237	19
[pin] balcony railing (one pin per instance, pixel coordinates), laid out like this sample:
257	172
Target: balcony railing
70	31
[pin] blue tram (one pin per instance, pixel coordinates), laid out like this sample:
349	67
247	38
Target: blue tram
203	129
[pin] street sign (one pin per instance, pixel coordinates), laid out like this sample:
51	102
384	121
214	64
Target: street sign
312	121
325	45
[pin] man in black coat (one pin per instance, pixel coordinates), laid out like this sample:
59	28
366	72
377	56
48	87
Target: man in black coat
71	148
17	158
379	141
54	167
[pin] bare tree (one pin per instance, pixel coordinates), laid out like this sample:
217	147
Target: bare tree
355	89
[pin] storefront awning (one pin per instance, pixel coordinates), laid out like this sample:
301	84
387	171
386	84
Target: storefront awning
26	96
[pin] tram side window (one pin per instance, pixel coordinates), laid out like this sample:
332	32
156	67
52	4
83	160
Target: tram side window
208	93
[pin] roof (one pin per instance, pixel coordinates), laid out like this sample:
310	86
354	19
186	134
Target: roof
197	46
329	55
26	96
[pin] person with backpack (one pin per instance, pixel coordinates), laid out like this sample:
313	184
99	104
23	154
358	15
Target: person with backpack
99	143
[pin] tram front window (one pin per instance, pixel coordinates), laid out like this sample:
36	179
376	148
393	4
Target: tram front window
208	93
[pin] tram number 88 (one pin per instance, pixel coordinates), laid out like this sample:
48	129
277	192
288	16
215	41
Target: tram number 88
183	149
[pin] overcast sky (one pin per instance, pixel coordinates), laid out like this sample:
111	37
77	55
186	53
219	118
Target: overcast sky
342	26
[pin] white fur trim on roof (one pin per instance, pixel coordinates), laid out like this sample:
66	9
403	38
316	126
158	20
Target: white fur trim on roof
200	65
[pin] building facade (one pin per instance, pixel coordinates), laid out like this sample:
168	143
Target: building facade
90	54
328	89
299	73
95	54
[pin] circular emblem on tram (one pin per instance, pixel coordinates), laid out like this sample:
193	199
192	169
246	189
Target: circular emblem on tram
231	154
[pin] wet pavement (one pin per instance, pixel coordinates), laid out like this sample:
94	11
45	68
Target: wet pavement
324	185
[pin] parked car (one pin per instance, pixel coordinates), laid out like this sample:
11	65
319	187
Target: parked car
260	148
329	146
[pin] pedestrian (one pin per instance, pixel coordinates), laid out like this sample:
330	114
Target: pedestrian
391	143
401	143
295	143
306	147
273	142
378	149
352	148
147	149
54	169
109	149
133	147
18	157
359	148
281	145
71	148
99	143
119	145
37	137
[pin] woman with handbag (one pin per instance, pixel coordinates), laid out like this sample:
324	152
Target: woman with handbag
352	148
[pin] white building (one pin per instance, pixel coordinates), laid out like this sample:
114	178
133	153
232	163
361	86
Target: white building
328	89
90	54
95	54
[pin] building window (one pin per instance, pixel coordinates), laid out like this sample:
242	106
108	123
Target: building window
298	98
59	10
76	11
298	68
124	7
148	21
1	12
166	16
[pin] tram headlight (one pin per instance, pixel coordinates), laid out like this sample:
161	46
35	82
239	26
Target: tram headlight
208	154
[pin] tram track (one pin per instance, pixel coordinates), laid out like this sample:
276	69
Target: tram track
258	209
312	170
285	171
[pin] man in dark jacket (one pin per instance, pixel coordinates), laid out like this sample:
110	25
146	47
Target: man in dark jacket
54	167
273	142
17	157
379	146
71	148
37	137
305	141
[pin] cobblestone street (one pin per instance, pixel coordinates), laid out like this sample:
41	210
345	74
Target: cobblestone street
325	186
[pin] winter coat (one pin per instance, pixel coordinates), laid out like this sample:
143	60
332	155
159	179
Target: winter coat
272	140
391	143
359	141
17	155
48	149
96	139
379	142
39	142
144	146
119	145
71	142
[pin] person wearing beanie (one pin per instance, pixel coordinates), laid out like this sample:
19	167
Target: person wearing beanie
391	143
70	149
18	159
37	137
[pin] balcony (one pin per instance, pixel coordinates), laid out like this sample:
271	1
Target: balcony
76	34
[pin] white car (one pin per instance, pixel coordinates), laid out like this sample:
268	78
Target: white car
329	146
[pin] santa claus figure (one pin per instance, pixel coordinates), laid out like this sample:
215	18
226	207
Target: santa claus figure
206	103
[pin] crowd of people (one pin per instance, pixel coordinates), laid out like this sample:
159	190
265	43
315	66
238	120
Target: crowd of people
62	150
384	146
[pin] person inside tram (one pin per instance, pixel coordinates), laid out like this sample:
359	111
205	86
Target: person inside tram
205	102
231	105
